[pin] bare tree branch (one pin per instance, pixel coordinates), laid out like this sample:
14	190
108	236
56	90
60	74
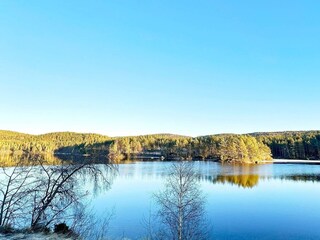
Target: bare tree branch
181	204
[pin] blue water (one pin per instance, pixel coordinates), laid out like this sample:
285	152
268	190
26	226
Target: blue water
273	201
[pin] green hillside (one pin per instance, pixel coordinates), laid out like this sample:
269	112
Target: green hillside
252	147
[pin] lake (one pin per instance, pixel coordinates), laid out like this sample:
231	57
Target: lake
267	201
271	201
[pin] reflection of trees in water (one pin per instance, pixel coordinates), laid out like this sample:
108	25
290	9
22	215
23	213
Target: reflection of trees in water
248	176
12	160
301	177
244	175
246	181
241	175
251	180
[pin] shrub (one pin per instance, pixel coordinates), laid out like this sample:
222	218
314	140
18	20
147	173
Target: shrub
6	229
61	228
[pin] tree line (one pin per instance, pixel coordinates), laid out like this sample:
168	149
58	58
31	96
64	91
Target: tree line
224	148
60	142
292	145
255	147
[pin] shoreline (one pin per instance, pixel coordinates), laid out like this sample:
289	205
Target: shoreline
293	161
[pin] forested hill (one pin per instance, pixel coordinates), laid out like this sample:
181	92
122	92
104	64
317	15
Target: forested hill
224	147
292	144
68	142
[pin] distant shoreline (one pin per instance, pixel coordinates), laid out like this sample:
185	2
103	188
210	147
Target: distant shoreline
247	148
293	161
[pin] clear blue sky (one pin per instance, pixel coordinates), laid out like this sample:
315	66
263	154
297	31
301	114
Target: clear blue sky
135	67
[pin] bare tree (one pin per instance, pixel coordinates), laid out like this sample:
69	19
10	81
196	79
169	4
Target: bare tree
181	204
44	195
14	189
57	191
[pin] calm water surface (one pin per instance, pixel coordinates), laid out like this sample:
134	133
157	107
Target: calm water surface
273	201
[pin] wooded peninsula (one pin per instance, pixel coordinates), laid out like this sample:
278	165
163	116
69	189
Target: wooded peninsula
246	148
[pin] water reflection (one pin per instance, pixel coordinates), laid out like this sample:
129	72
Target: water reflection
236	194
302	177
241	175
10	160
244	176
244	201
245	181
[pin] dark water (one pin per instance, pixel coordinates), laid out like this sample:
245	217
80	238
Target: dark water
273	201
